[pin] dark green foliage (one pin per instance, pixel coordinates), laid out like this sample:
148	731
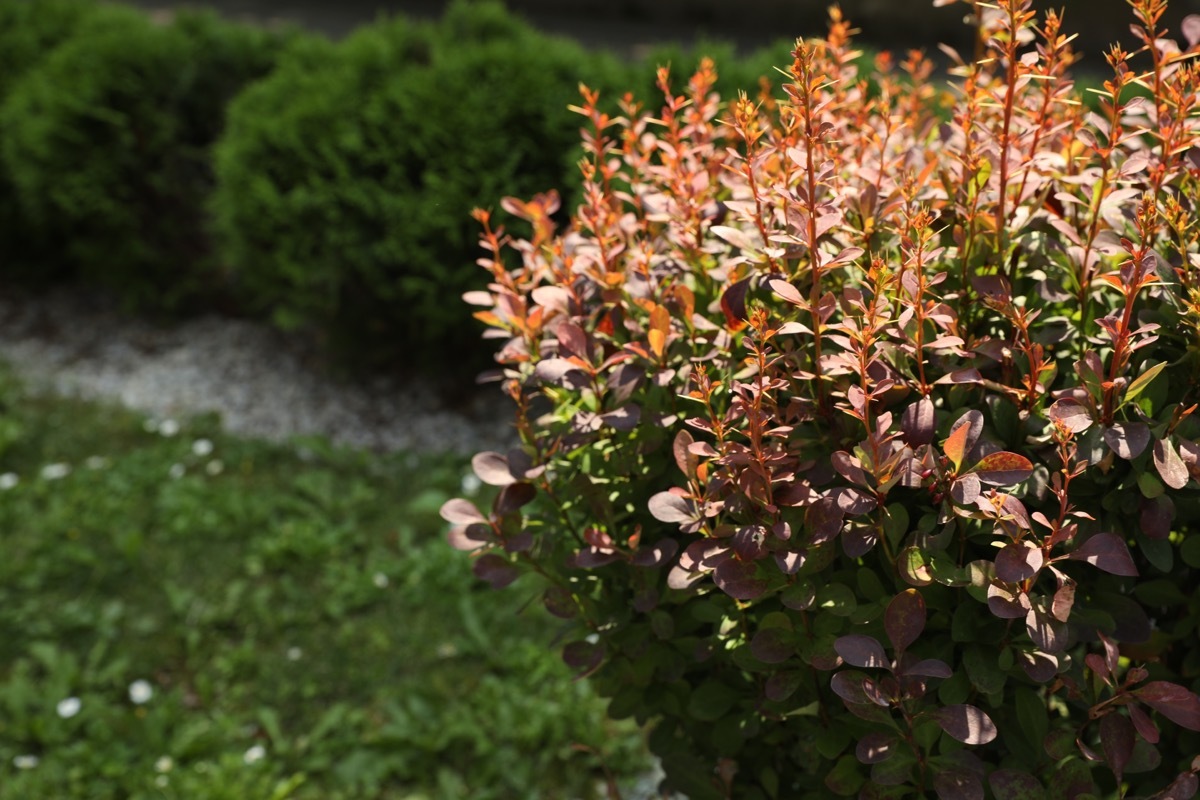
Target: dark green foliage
29	31
107	143
346	183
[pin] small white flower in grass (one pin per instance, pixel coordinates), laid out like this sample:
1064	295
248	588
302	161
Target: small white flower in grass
25	761
255	754
380	580
294	654
202	447
140	692
68	707
177	471
96	462
214	467
8	480
164	764
168	427
162	781
54	472
447	650
470	483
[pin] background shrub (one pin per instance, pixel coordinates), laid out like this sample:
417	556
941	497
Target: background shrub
346	186
107	144
29	31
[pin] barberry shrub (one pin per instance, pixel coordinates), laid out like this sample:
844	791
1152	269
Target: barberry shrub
856	427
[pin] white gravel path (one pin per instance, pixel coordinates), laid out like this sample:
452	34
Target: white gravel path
261	383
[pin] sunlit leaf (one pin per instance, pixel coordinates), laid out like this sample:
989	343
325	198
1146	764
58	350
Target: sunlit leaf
861	651
1108	552
1003	469
966	723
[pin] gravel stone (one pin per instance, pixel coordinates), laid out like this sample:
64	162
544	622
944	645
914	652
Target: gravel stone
263	384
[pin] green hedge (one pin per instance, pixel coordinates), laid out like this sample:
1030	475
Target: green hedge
345	186
106	142
325	186
29	31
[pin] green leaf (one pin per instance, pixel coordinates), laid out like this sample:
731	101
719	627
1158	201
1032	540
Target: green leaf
1139	384
846	778
1032	716
832	741
837	599
711	700
1149	485
1189	551
1159	593
981	667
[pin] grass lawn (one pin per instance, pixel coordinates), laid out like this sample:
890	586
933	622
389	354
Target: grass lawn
185	614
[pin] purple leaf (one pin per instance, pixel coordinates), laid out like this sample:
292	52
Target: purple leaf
1143	724
1017	562
1108	552
492	469
773	645
875	747
733	304
1190	28
1156	516
592	557
670	507
824	519
1169	465
1003	468
1006	605
558	371
1064	601
1040	667
750	542
461	512
848	685
904	619
469	537
739	580
956	784
1116	739
861	651
1072	414
929	668
624	418
583	657
1184	787
512	497
919	423
573	339
854	502
1172	701
558	601
965	489
1127	439
787	292
965	723
858	539
1047	633
782	685
496	570
1011	784
656	554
